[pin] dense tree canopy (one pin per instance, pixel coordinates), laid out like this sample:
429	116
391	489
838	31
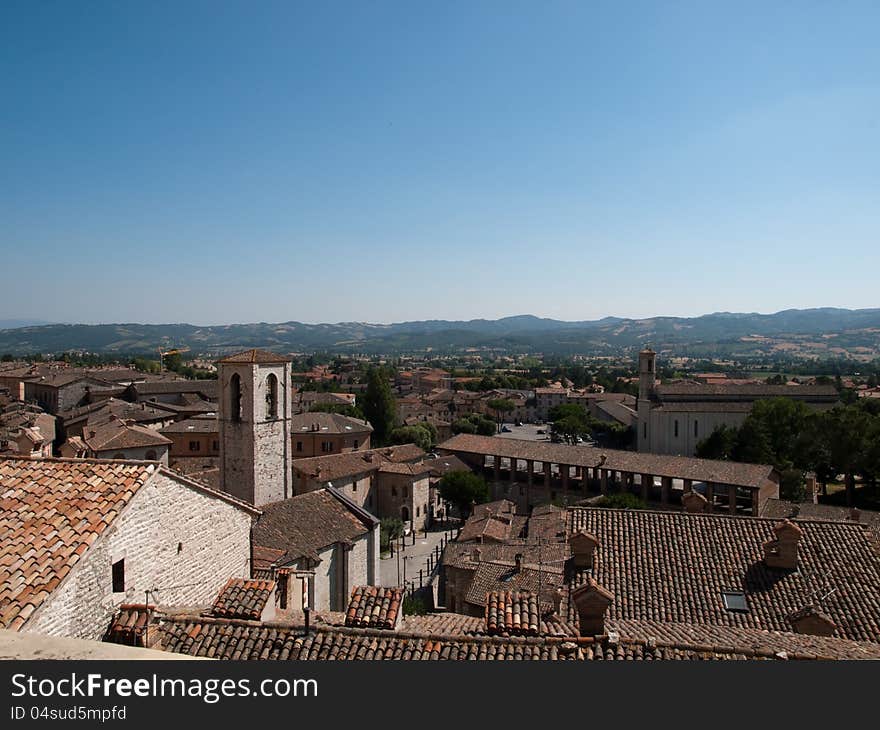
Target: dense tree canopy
378	405
795	439
463	489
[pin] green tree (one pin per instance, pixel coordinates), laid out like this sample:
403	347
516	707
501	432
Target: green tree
474	423
390	528
340	408
423	435
463	489
500	406
379	406
570	421
718	444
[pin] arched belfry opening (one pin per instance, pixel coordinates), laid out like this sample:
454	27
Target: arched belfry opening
235	397
272	397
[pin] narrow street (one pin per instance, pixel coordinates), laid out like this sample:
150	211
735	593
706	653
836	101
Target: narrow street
413	557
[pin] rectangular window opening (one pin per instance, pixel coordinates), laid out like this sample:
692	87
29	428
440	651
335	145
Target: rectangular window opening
119	576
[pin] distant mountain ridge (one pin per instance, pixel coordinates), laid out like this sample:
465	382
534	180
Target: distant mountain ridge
825	332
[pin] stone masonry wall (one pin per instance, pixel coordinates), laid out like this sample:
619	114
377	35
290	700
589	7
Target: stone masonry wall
173	538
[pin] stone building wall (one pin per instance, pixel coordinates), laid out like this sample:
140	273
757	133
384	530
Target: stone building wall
172	537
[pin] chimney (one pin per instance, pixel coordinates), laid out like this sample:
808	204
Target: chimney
854	515
583	545
694	502
812	489
592	601
782	551
476	554
810	620
602	459
557	600
518	559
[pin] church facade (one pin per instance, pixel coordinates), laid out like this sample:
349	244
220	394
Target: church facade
673	418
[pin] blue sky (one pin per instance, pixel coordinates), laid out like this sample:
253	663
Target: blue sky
234	162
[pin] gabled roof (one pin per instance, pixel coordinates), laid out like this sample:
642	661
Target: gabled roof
52	511
116	434
304	525
259	357
328	424
348	464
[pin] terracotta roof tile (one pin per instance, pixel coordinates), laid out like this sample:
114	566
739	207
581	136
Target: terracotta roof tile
682	467
50	512
674	566
254	356
374	607
243	598
236	640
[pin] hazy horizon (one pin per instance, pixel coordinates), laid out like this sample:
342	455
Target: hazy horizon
43	323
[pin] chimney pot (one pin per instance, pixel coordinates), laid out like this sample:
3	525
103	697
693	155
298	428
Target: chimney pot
782	551
592	601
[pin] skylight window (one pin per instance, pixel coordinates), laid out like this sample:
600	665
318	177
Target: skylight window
735	601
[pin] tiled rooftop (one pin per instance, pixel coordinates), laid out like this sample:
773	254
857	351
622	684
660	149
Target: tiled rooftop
307	523
513	612
254	356
230	639
129	625
374	607
51	511
681	467
673	567
243	598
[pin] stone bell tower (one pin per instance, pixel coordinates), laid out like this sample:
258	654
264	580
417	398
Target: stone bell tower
647	377
254	415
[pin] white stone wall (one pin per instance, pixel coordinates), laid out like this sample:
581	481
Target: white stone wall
662	437
173	537
325	574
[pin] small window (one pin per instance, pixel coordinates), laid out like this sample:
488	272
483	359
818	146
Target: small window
645	430
355	443
393	491
215	445
696	428
735	601
195	446
119	576
675	424
405	492
299	445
